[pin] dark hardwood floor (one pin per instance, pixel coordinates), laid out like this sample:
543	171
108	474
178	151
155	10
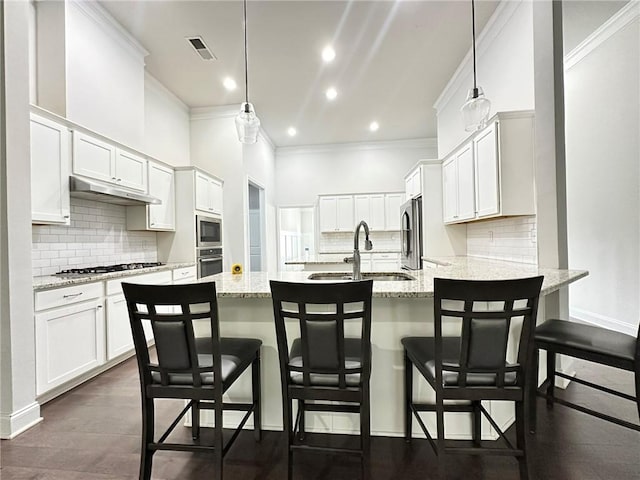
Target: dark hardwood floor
93	433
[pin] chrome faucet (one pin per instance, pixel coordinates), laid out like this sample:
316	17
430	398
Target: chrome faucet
357	275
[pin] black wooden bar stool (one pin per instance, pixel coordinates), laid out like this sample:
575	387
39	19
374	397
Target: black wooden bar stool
324	345
473	365
594	344
193	363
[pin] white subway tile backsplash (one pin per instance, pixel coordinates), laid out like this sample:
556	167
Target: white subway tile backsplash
343	241
504	239
97	235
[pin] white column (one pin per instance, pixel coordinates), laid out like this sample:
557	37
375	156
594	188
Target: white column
18	408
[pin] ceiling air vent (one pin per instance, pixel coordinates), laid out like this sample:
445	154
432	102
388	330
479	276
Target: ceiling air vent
201	49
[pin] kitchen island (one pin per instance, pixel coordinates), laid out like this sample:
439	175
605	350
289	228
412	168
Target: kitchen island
400	308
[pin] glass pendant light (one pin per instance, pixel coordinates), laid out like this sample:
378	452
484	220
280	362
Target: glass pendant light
475	110
247	124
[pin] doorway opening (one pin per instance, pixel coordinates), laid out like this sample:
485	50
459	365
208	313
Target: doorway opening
256	227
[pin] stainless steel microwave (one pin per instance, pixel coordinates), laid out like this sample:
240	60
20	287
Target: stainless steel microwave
208	231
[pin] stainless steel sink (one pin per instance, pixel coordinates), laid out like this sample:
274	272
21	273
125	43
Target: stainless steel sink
379	276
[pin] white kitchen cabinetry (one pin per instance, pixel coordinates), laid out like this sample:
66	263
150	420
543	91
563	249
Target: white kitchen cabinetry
208	194
101	160
385	262
336	213
413	183
370	208
392	203
69	324
458	185
156	217
50	160
185	275
119	339
493	171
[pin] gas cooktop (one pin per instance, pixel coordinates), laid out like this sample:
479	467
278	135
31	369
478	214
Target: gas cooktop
109	268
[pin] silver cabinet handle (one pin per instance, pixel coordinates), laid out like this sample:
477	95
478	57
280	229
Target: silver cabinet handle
99	307
67	216
72	295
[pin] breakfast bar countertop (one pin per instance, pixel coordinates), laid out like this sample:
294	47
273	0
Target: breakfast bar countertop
256	284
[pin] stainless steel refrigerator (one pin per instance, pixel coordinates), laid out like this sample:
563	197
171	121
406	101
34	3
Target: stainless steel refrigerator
411	234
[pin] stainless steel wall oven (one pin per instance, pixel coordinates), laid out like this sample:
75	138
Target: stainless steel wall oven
209	261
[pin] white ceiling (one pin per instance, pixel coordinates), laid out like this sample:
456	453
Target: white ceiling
393	59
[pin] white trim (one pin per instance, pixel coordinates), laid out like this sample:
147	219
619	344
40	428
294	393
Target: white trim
153	84
94	11
13	424
484	39
267	139
603	321
207	113
617	22
416	143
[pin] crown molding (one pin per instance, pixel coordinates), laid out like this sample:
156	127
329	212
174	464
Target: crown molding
627	14
416	143
490	32
95	12
208	113
153	84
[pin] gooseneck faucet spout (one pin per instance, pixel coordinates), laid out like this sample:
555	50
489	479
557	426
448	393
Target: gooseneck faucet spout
357	274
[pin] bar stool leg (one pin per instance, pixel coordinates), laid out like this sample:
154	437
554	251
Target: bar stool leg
195	420
551	377
477	423
533	390
521	439
301	426
365	434
146	458
255	387
408	397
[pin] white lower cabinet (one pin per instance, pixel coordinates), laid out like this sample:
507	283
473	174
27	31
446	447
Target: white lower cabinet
69	334
385	262
119	338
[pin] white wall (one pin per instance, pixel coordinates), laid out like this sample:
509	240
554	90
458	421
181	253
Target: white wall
303	173
504	51
105	75
603	174
216	149
166	124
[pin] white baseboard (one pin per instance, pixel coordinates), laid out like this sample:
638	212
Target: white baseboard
603	321
13	424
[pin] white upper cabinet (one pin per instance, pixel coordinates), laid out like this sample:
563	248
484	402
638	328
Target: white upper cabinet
392	203
413	183
162	186
50	159
336	213
458	185
208	192
492	175
370	208
101	160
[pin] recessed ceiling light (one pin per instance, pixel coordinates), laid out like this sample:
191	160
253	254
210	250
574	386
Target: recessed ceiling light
328	54
292	131
331	93
373	126
229	83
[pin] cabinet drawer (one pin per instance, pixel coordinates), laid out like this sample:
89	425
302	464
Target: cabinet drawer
60	297
113	286
181	274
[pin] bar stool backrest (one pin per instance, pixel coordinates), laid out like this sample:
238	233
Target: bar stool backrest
489	314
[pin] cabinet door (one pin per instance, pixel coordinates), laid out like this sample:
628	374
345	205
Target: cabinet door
362	208
385	262
203	193
450	190
93	158
377	212
130	171
466	184
162	186
50	158
119	338
344	213
69	342
487	175
327	214
392	203
215	196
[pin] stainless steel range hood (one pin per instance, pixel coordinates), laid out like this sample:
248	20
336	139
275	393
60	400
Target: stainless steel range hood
104	192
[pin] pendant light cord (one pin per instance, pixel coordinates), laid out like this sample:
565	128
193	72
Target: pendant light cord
246	61
473	30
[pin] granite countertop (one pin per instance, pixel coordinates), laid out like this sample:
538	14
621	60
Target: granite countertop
327	258
256	284
55	281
